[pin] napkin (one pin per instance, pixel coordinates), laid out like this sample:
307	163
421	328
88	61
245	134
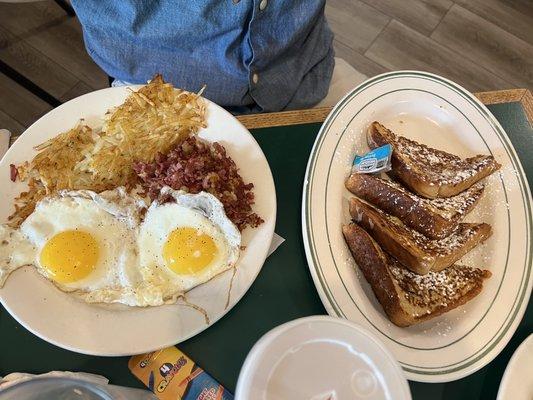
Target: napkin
277	240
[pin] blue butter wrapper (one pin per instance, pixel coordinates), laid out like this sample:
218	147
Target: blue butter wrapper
376	160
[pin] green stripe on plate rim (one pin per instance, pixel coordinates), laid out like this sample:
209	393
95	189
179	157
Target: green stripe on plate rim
503	139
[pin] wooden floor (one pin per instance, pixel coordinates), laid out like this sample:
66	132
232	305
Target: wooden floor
481	44
44	44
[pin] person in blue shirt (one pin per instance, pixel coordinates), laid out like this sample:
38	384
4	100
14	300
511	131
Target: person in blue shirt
253	55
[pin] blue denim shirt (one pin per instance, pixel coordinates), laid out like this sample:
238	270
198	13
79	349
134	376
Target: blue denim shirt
261	55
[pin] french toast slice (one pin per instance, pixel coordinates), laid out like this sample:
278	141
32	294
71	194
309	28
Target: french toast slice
406	297
434	218
412	249
429	172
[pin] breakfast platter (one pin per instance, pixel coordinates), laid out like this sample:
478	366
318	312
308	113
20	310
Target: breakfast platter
441	115
104	315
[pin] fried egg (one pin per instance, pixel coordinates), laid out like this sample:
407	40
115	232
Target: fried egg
186	242
95	246
82	242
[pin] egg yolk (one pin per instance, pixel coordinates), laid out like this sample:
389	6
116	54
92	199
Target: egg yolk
188	251
70	256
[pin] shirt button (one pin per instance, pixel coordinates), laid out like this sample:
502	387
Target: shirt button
263	4
236	1
255	78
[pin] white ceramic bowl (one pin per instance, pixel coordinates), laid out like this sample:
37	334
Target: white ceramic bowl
320	358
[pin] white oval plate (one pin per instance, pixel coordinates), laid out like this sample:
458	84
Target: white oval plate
115	330
517	383
443	115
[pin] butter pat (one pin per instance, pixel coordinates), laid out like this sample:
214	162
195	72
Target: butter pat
376	160
172	375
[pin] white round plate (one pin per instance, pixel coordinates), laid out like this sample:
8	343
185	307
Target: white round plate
441	114
517	383
320	358
113	330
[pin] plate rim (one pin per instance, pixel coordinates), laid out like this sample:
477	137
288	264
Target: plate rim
212	321
523	294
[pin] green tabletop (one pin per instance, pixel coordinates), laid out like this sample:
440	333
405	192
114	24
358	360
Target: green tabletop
283	290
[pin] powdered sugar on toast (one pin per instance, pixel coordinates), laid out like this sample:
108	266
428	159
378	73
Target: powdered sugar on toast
436	289
439	167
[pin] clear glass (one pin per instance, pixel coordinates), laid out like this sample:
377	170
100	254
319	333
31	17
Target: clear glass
71	389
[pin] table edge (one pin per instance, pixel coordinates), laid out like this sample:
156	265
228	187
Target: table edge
319	114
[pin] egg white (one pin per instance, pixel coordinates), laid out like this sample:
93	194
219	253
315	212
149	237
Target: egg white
15	252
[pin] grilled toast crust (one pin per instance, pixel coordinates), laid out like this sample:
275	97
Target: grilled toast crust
429	172
373	263
435	219
412	249
405	299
